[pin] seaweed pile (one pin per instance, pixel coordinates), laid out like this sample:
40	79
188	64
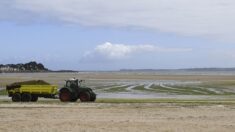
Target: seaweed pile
30	82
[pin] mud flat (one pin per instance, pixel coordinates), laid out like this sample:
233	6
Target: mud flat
125	117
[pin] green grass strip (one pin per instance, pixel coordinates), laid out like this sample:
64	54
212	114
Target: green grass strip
3	92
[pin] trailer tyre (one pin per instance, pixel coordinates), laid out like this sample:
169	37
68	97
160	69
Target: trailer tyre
26	97
34	98
85	97
16	97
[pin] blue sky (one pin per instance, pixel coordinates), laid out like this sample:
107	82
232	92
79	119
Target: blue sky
111	35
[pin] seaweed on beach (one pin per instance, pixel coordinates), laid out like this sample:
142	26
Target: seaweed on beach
30	82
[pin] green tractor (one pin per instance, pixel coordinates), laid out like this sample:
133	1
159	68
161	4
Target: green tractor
73	90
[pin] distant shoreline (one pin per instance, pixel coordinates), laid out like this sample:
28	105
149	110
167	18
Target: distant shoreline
156	70
185	70
132	70
64	71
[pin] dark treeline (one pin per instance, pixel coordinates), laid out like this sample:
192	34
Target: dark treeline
26	67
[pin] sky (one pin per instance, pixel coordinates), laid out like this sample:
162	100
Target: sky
118	34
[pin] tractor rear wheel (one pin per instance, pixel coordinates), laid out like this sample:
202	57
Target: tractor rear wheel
16	97
34	98
85	96
65	96
26	97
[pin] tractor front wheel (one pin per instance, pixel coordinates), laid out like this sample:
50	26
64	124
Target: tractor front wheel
85	96
65	96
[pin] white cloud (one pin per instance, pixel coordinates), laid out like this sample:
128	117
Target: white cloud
207	18
122	51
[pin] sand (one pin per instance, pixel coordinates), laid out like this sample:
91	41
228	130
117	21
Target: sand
105	117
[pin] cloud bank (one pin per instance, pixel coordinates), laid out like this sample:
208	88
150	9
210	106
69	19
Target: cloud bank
109	51
207	18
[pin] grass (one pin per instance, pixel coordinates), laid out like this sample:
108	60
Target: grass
141	88
203	89
182	102
190	90
117	89
3	92
180	90
223	83
155	88
103	87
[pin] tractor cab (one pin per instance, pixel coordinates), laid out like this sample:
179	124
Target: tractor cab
73	83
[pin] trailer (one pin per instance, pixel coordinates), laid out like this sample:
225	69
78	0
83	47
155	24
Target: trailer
31	90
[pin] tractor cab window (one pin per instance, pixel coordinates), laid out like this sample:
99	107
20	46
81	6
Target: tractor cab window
72	84
80	82
68	84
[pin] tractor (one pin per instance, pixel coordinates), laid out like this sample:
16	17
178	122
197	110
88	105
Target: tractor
74	90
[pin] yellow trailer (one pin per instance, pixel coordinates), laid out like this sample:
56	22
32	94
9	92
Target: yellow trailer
26	93
38	89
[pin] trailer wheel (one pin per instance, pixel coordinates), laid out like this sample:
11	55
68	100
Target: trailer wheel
34	98
16	97
85	96
26	97
65	96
